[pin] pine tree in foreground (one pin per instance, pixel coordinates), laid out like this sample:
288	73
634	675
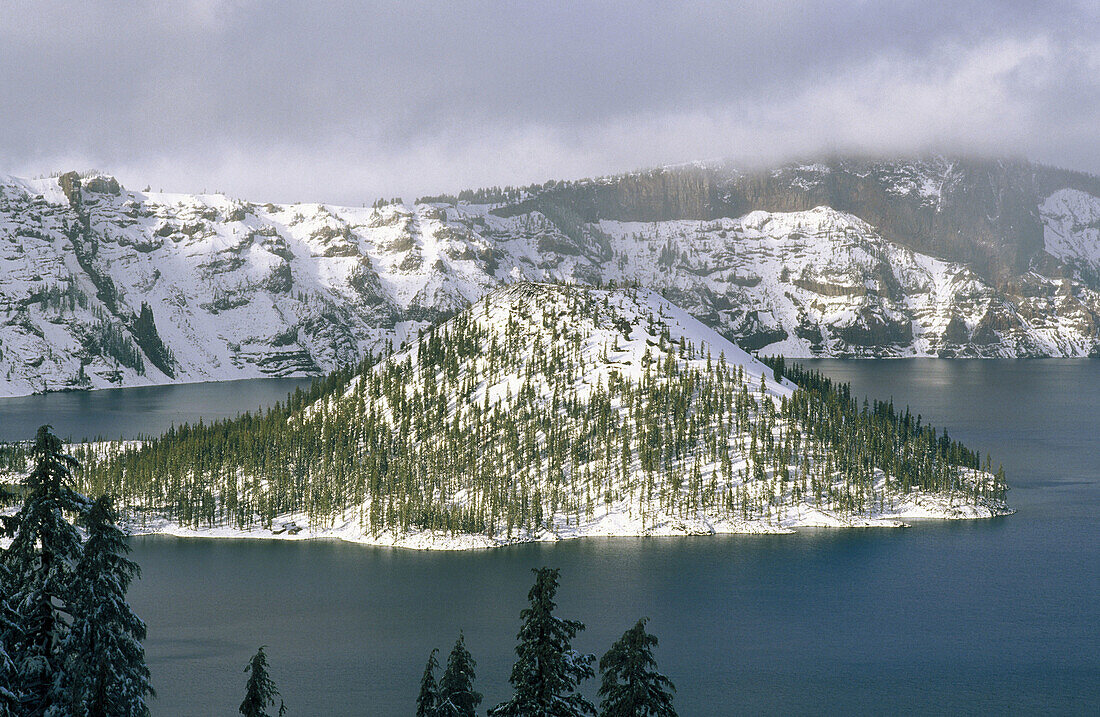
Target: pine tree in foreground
457	696
548	670
40	561
261	691
9	621
8	629
427	702
105	673
632	687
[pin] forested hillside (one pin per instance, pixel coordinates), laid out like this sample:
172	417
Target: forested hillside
548	411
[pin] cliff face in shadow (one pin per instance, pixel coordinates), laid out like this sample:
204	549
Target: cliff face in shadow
979	212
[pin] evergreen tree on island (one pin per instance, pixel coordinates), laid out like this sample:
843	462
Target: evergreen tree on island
632	687
427	702
457	696
548	670
40	561
106	673
261	692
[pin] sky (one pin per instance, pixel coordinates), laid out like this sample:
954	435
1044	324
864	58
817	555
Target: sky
346	102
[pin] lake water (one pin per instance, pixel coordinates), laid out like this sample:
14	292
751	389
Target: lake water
978	617
133	412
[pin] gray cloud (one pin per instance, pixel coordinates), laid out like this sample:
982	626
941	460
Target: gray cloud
346	101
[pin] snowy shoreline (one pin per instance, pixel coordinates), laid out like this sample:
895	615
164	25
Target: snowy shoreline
297	528
623	519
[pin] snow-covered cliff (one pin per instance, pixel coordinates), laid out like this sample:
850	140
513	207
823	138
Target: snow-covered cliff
102	286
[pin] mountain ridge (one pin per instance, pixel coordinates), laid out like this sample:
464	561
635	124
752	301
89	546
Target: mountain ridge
102	286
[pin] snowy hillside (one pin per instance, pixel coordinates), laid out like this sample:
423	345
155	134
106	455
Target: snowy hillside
102	286
545	412
824	283
1071	222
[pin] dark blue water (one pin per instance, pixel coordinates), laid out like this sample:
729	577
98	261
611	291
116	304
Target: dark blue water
984	617
133	412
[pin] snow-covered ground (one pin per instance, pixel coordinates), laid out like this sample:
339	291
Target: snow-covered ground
620	520
1071	223
617	521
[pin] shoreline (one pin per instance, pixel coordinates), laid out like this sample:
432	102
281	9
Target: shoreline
297	528
309	377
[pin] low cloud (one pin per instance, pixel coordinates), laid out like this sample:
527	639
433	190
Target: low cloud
337	102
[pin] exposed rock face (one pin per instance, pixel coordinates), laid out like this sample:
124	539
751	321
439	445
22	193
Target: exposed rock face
70	186
982	214
101	286
144	330
103	185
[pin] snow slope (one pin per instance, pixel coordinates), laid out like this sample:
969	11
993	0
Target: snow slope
1071	221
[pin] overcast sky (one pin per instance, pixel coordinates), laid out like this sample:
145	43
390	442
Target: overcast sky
348	101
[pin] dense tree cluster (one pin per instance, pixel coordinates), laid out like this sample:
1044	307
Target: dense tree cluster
106	336
910	454
539	408
548	672
69	643
65	296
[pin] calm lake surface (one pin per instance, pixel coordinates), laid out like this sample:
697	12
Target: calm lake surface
978	617
134	412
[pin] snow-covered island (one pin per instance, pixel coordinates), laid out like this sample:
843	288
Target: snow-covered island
548	412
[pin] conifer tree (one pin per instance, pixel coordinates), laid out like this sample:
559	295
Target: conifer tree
8	630
457	696
631	686
105	671
261	691
427	702
40	561
9	624
548	670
